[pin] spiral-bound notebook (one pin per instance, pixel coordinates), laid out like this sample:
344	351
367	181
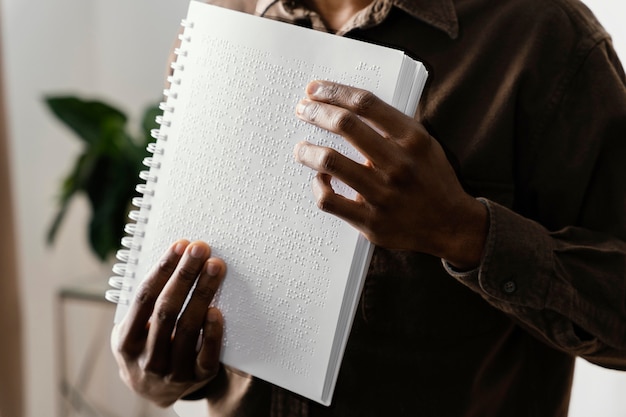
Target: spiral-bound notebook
222	170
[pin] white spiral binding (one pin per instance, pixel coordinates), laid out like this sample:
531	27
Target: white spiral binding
173	80
147	177
156	134
120	269
167	109
177	66
141	203
124	278
180	52
163	122
131	229
127	241
119	283
143	189
169	93
151	163
153	148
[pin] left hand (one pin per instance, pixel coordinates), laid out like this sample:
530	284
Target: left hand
409	197
155	345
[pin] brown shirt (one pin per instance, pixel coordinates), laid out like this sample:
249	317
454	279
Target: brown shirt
529	101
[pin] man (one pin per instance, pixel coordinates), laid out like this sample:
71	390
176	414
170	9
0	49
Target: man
499	215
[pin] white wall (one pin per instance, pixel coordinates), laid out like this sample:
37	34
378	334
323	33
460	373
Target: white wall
110	49
612	15
598	391
116	50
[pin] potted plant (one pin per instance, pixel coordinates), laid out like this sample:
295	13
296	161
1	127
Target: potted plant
106	171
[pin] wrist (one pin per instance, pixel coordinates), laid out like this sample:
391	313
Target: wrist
212	387
466	241
199	394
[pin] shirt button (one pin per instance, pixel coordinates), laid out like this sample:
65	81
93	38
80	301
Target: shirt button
509	287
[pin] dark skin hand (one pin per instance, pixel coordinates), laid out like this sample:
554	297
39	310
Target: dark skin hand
409	198
156	352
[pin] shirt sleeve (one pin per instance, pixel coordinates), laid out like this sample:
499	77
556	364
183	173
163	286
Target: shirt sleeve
565	286
232	394
559	268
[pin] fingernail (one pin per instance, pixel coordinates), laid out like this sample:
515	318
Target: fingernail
197	251
213	268
298	151
213	315
300	107
313	88
179	248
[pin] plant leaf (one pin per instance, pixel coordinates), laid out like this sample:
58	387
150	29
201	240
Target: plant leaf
108	169
70	186
149	122
56	223
149	118
110	191
84	117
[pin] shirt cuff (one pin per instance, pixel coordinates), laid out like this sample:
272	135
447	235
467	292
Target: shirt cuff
516	264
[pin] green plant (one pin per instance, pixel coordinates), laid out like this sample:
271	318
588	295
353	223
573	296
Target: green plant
107	169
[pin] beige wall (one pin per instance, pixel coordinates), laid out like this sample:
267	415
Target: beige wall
10	314
114	49
109	49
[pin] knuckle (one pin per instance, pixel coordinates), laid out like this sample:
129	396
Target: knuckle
124	350
343	121
144	296
167	266
135	380
187	272
204	293
163	403
333	92
419	146
369	232
375	229
124	375
420	143
165	315
187	330
329	161
151	368
396	175
325	203
385	196
312	111
211	369
362	101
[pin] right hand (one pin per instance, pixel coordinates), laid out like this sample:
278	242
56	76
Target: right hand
155	349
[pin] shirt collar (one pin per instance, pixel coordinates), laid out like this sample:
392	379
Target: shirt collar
440	14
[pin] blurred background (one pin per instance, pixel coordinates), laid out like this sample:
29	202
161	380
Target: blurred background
116	51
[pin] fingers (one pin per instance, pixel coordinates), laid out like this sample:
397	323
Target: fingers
354	212
207	364
346	123
132	332
192	321
382	116
328	161
170	304
169	343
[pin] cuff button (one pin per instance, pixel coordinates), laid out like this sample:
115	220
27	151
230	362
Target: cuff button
509	287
